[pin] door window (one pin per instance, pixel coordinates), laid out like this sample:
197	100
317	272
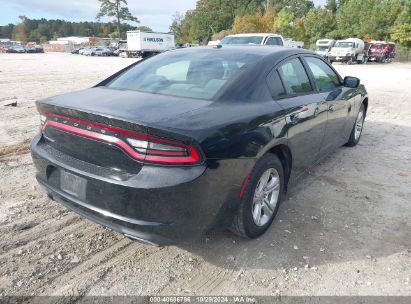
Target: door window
325	78
294	77
274	41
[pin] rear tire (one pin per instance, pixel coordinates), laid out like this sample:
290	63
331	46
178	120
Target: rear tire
256	201
357	128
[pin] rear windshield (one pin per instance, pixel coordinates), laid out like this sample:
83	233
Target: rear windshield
184	74
242	40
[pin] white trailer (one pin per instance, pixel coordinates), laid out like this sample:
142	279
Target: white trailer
324	46
143	44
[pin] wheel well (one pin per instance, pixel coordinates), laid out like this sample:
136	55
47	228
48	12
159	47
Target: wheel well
284	154
365	102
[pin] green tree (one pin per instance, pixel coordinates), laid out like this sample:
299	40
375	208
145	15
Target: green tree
6	31
283	23
175	26
319	23
117	9
401	30
144	28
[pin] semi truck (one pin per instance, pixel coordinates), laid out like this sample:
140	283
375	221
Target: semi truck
144	44
348	50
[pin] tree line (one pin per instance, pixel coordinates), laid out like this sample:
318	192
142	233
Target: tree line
42	30
297	19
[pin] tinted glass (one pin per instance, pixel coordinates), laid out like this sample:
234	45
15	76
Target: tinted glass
294	77
274	41
242	40
325	78
277	85
184	74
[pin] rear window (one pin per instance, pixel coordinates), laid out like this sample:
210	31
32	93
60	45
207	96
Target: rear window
242	40
184	74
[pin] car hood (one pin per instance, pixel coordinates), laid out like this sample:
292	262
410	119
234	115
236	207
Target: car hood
132	106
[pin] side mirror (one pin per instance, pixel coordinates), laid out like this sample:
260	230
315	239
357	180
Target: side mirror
351	82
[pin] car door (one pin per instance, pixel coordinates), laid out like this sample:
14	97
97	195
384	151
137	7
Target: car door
339	102
304	110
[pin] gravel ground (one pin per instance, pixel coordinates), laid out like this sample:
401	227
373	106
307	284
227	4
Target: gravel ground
344	230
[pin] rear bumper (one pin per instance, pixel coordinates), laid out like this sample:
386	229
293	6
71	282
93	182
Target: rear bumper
159	204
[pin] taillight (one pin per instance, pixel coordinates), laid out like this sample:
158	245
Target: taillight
165	151
139	146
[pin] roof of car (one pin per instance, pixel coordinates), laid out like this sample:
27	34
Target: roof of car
261	50
254	34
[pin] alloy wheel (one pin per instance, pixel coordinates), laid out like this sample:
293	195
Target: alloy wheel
266	196
359	125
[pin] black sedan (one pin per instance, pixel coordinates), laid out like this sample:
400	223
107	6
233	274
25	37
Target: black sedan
193	139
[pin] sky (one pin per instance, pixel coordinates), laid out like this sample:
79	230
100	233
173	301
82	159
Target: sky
156	14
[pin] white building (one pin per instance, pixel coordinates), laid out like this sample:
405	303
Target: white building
71	40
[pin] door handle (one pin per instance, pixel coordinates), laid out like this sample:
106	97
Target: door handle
331	108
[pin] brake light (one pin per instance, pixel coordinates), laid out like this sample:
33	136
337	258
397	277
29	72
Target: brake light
160	150
139	146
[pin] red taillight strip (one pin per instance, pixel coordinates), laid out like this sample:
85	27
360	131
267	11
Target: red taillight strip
192	158
117	130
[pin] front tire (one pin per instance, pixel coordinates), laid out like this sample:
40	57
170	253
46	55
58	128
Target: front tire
357	129
261	199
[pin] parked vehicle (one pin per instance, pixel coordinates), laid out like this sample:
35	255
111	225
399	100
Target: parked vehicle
348	51
103	52
16	49
30	49
324	46
253	38
288	42
77	50
90	51
120	46
381	51
194	139
81	51
39	49
144	44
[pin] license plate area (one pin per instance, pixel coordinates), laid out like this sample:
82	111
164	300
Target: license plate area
73	184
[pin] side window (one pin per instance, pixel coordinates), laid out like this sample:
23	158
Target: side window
294	77
274	41
325	78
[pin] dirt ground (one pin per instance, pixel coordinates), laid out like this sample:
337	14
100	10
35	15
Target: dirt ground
344	230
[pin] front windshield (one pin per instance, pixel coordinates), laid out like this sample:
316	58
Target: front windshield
199	74
322	48
344	44
242	40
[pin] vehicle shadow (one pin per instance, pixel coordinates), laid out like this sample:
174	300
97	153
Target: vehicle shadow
345	209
